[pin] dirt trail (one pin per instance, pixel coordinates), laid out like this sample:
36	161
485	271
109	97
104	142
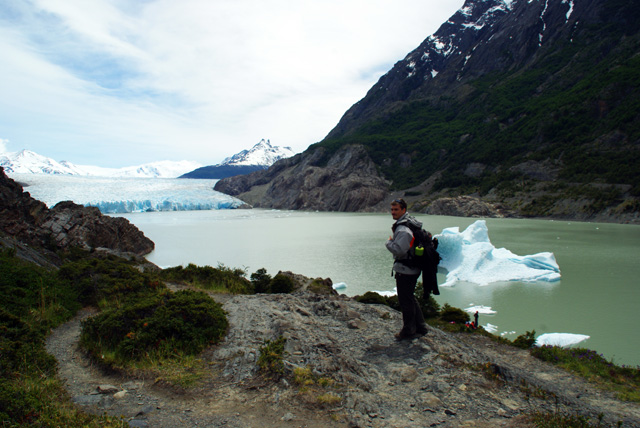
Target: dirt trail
439	380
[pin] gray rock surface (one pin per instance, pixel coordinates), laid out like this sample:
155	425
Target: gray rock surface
441	379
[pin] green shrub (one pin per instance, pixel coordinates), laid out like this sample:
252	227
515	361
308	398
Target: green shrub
393	302
261	281
371	297
281	284
593	366
451	314
271	361
181	323
107	279
222	278
525	341
558	420
429	306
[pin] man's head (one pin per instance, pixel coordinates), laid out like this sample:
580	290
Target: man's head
398	208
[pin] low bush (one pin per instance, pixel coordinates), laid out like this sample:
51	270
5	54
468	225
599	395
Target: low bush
371	297
103	281
593	366
261	281
281	284
525	341
455	315
429	306
181	323
271	359
558	420
221	279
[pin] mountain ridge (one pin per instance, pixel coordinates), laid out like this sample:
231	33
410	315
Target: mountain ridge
29	162
261	156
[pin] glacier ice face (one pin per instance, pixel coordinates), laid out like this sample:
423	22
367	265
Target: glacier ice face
469	256
125	195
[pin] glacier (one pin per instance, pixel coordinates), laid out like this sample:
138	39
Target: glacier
469	256
126	195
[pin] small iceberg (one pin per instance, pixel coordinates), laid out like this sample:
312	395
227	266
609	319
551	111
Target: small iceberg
490	327
339	286
481	310
469	256
560	339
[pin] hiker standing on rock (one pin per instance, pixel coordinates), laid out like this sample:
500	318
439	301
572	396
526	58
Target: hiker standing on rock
406	275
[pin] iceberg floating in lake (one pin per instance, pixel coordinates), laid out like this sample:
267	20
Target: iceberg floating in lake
486	310
490	328
339	285
469	256
560	339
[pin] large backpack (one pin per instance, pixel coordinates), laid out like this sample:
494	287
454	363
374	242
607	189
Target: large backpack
423	254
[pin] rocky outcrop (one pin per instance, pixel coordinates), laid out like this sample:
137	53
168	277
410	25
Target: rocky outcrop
71	224
346	180
464	206
65	225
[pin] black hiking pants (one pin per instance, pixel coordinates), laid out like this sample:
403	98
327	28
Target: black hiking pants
412	318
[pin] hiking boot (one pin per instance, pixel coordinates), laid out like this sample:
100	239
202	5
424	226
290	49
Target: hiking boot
404	336
422	331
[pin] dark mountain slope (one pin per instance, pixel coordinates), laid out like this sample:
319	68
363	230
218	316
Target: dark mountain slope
533	104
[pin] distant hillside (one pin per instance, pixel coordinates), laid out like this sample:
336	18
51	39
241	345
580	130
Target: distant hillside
222	171
259	157
534	105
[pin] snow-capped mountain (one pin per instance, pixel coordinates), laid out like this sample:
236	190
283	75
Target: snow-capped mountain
28	162
260	156
262	153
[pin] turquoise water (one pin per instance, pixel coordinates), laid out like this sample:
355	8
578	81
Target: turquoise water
598	294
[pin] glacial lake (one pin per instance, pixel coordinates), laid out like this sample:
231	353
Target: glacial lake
598	294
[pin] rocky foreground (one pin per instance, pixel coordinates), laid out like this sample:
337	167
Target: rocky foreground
441	379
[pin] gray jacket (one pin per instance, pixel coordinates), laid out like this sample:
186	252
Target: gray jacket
399	246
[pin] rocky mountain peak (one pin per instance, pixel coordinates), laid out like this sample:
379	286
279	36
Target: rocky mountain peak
482	37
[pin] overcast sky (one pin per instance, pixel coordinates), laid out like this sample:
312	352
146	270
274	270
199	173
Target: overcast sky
123	82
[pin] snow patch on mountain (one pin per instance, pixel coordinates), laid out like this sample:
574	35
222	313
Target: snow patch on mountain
28	162
263	154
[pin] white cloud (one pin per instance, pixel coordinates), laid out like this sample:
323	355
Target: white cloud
3	145
112	82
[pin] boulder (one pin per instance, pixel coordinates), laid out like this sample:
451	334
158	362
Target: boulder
66	225
463	206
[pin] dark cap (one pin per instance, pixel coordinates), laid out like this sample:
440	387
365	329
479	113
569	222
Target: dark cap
401	202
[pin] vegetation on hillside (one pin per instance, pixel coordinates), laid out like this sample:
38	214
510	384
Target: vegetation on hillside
34	300
578	108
